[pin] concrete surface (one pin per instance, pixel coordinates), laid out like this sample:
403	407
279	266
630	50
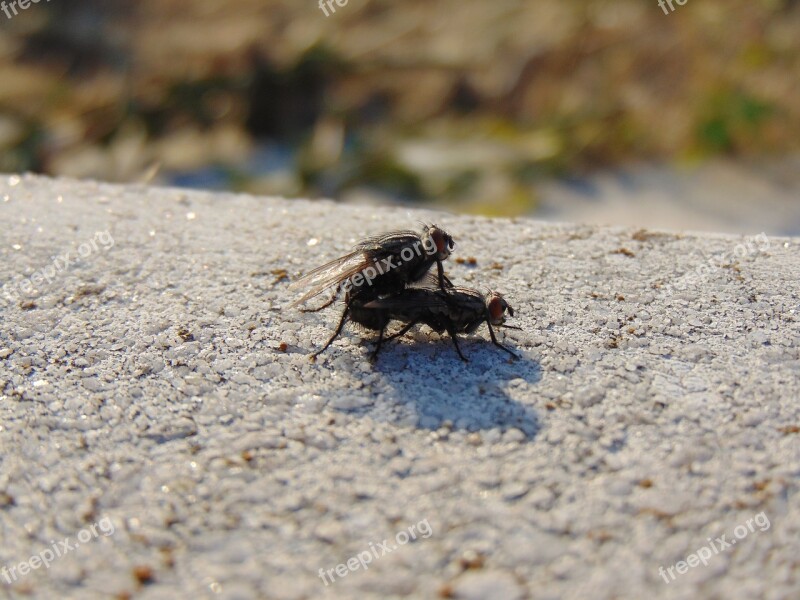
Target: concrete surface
158	408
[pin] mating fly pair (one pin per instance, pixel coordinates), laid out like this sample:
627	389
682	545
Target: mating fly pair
388	278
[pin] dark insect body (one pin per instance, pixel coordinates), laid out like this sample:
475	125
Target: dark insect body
455	310
381	265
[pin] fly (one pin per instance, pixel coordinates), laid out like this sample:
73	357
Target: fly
384	264
454	310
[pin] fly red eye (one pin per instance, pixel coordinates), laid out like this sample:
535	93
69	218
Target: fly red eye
438	238
496	309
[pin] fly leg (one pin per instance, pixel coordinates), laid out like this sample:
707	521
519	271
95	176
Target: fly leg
498	344
444	282
454	335
342	321
404	330
374	355
319	308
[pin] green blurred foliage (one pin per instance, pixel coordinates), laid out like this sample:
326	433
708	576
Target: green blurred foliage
462	102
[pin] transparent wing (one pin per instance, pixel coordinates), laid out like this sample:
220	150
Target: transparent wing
431	299
431	281
389	243
411	300
327	270
330	274
366	253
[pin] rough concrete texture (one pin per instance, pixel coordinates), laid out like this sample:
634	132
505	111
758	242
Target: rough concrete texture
159	387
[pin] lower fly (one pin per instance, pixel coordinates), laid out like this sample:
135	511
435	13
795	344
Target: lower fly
454	310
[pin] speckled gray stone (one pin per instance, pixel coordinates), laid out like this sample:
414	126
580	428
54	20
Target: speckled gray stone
155	379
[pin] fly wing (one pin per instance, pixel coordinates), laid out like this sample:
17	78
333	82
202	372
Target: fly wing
366	253
431	281
460	305
468	301
411	300
327	270
468	295
330	274
389	243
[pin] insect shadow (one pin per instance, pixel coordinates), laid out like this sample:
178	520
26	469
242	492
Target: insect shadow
489	392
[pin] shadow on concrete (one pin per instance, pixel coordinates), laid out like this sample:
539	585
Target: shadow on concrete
490	391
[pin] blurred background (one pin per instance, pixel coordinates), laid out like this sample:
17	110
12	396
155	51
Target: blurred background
583	110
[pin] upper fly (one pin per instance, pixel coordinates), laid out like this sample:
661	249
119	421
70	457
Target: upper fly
384	264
